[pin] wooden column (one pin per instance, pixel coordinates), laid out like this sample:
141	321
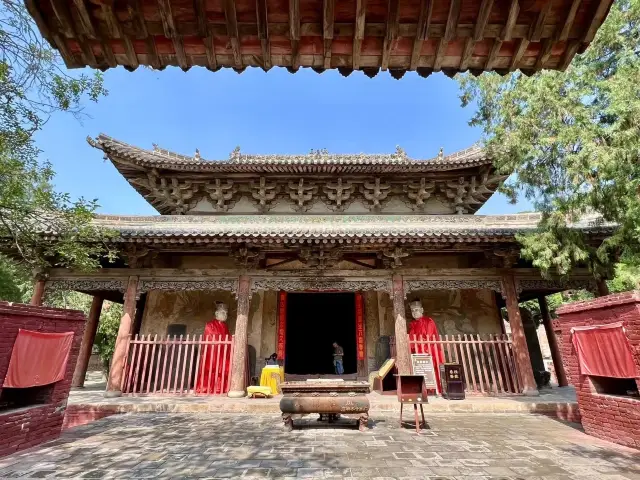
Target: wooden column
403	357
603	288
553	342
88	338
116	372
239	362
517	334
38	291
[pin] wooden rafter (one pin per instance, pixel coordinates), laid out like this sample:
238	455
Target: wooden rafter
328	13
200	8
596	20
170	31
232	31
86	24
449	33
422	32
536	29
62	13
507	31
493	54
263	33
563	34
117	31
392	32
572	49
517	56
294	32
545	53
358	35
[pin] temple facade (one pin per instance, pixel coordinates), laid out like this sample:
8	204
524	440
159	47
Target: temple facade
308	250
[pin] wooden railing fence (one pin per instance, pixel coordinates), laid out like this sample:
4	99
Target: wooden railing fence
175	365
488	361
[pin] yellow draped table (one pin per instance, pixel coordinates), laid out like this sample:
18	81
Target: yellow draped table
266	380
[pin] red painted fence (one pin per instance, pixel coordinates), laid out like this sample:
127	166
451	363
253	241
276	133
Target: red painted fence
171	365
488	361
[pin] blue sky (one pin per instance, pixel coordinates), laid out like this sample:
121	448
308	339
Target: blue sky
273	112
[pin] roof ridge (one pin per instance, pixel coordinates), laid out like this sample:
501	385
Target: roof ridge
322	156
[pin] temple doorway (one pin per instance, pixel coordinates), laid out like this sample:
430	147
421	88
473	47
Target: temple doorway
314	322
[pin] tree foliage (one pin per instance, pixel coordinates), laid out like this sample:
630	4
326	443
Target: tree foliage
572	139
33	86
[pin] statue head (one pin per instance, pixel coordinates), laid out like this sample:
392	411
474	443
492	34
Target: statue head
416	309
221	311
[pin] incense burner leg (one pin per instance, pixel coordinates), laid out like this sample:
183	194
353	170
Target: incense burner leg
363	421
424	422
415	412
288	421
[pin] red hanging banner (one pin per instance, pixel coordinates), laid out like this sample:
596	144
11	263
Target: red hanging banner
38	358
360	326
282	324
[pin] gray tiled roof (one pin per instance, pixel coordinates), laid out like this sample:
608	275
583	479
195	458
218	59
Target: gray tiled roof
346	227
241	162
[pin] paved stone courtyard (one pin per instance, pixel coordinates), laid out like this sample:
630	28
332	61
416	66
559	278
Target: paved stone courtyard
456	446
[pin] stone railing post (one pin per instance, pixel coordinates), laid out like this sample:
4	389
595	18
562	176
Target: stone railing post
116	372
520	348
403	357
239	362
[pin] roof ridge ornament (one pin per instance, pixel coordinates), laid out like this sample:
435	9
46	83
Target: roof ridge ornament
234	156
441	153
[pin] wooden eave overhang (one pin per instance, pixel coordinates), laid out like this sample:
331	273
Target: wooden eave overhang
349	35
127	157
323	229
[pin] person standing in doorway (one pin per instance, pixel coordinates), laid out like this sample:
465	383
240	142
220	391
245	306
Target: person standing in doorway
338	354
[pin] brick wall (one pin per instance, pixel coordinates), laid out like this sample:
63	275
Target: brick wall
22	428
611	417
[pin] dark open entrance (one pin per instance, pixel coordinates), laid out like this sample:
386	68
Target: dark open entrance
314	322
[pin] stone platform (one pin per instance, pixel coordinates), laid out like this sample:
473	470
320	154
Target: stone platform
89	404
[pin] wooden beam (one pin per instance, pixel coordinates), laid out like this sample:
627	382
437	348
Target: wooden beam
393	15
597	19
232	30
166	16
514	10
517	56
62	13
87	52
85	19
536	29
107	53
467	54
118	32
493	54
570	51
545	53
181	56
563	35
358	35
209	47
65	53
263	33
328	14
452	20
424	20
294	32
442	46
483	18
200	8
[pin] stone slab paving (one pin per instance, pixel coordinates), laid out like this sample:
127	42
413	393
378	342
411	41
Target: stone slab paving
455	446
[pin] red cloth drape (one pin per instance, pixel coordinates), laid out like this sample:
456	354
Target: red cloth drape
604	351
215	360
38	358
424	328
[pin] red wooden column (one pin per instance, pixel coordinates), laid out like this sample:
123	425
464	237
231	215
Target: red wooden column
38	291
116	372
239	362
403	358
517	333
553	342
88	338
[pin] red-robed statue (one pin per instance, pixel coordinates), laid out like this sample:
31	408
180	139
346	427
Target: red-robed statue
213	374
424	328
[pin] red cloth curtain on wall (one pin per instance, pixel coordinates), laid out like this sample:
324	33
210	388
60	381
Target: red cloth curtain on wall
604	351
38	358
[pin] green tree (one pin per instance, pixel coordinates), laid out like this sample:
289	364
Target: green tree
33	86
572	139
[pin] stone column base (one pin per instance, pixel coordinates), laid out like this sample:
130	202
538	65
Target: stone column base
236	394
532	392
112	394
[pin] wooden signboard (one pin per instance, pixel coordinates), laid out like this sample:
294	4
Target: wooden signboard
422	364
